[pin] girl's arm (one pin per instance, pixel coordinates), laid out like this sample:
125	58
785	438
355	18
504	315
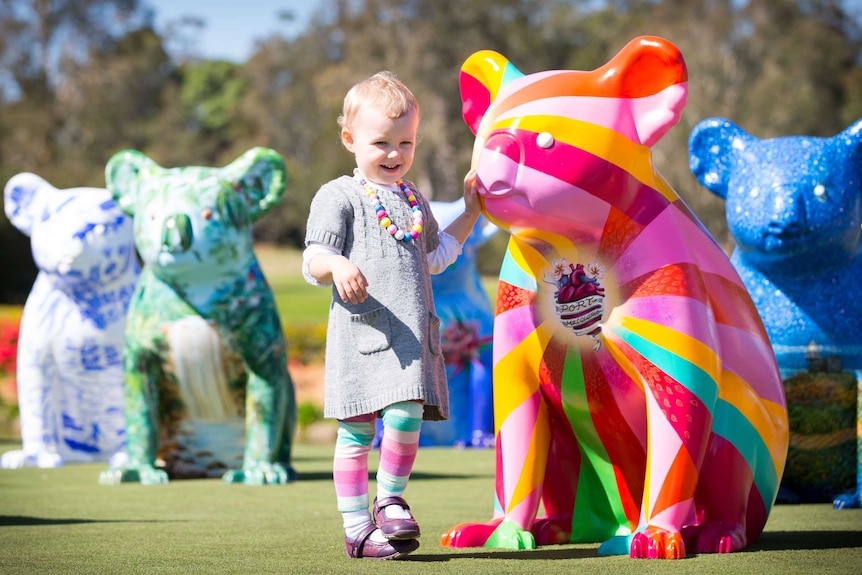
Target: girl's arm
328	267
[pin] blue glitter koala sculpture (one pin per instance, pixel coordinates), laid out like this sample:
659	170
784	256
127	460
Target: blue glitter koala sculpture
794	208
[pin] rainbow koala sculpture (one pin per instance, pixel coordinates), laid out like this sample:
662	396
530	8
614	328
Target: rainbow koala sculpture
70	349
207	391
636	395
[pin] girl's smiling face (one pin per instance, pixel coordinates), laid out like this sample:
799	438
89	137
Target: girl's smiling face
383	146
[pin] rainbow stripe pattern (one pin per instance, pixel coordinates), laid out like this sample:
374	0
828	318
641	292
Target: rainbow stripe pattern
637	399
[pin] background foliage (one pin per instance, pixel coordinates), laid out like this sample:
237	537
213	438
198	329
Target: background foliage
83	79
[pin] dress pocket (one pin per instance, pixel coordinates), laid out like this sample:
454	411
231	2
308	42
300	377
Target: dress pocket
371	331
434	333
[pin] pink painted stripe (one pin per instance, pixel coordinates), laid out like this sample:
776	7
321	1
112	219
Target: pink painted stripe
622	391
681	513
682	314
610	113
569	164
553	204
511	328
660	461
516	433
738	347
673	238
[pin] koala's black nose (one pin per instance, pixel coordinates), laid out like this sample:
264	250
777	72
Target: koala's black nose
177	234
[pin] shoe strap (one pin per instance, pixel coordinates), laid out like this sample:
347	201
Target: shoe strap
393	500
362	539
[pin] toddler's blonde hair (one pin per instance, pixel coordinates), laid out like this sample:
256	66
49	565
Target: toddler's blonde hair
383	89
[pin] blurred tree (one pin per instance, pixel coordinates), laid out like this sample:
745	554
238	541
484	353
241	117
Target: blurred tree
82	79
109	103
200	122
36	37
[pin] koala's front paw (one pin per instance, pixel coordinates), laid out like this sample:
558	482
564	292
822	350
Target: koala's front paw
16	459
260	473
657	543
849	500
144	474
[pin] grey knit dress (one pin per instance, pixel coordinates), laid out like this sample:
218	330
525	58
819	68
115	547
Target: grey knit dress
387	348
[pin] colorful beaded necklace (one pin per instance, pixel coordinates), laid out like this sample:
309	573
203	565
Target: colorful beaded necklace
384	218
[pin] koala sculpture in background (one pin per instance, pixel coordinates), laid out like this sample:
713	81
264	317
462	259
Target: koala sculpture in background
636	396
206	381
794	209
466	329
70	346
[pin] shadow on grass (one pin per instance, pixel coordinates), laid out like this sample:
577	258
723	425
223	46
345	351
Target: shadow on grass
770	541
541	554
20	520
806	540
327	476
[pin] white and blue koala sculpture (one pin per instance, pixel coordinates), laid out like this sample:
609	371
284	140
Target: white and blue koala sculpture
794	208
70	346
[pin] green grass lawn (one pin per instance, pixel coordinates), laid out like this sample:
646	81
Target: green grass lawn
61	521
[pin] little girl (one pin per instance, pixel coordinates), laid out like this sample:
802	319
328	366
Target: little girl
374	238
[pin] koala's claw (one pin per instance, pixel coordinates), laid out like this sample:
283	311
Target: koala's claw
17	459
144	474
259	474
850	500
721	538
657	543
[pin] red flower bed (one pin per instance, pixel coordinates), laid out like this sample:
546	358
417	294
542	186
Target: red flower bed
8	363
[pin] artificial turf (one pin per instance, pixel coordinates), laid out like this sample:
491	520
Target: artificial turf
61	521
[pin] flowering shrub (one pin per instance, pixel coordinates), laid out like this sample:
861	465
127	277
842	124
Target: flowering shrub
8	363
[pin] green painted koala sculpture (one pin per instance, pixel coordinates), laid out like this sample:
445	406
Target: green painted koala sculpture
206	381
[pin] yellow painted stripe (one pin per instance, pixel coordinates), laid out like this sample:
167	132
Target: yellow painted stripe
623	361
559	242
527	257
488	67
536	459
600	141
736	391
515	374
683	345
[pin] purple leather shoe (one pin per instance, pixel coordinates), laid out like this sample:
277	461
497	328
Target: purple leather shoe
394	529
364	548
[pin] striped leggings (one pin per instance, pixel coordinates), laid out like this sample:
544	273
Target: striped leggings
401	425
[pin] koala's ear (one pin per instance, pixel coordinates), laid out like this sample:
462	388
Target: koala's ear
121	177
852	136
713	147
260	178
482	76
23	197
652	74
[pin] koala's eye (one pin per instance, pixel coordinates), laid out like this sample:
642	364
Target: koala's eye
207	214
545	140
820	192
